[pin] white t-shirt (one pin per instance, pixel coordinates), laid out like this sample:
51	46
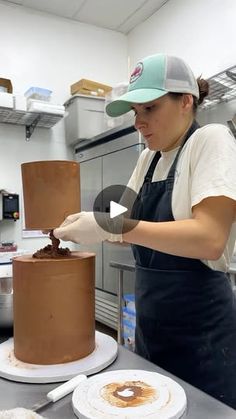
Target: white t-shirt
206	167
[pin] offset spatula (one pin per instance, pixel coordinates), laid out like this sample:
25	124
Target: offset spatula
59	392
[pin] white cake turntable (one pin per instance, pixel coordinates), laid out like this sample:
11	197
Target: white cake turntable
129	394
104	354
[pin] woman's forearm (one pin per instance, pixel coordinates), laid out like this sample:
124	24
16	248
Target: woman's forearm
202	237
186	238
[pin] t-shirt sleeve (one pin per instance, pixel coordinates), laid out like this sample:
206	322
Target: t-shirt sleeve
132	184
137	177
213	164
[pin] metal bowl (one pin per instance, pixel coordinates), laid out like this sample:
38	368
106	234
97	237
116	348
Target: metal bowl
6	302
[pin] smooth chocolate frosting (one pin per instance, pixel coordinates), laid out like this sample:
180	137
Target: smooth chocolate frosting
54	308
51	192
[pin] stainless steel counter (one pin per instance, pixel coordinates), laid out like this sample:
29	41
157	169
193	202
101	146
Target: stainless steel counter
121	267
200	405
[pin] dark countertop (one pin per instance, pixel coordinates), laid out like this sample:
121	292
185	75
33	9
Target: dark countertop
13	394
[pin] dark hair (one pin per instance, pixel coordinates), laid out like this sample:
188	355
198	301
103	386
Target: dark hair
203	86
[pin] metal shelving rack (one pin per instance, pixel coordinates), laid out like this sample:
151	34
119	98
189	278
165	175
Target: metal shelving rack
222	88
29	119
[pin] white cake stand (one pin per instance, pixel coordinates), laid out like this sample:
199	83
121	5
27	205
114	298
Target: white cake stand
11	368
101	396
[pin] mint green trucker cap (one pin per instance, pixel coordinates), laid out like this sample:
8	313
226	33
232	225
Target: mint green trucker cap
152	78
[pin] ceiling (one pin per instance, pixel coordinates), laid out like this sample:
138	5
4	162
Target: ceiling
117	15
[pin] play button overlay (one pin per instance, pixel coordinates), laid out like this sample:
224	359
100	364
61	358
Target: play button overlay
113	209
116	209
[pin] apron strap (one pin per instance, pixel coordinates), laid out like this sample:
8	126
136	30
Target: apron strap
149	174
195	125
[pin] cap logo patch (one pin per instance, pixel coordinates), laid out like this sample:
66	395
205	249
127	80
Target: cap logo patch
137	72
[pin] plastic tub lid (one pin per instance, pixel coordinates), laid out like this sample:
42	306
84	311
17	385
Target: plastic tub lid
39	90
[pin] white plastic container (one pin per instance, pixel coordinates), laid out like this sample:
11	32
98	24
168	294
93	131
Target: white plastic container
129	335
20	103
38	93
84	118
129	302
6	100
129	342
34	105
128	329
115	93
129	316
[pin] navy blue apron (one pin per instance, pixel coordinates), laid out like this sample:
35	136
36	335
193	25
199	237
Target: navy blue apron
186	312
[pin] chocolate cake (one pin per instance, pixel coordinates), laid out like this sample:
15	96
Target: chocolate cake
54	289
54	320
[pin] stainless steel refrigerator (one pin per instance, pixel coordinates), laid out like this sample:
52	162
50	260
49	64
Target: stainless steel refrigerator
105	160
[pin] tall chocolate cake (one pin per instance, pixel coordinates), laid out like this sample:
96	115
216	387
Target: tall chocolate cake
54	289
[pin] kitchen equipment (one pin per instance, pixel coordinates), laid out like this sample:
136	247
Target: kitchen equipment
6	286
9	206
108	159
232	125
6	295
59	392
104	354
129	394
8	246
84	118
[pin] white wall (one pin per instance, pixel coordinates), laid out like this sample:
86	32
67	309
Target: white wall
202	32
41	50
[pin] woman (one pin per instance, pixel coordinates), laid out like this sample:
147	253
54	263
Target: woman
186	184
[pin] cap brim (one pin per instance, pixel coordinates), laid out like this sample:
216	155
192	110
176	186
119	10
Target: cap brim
124	103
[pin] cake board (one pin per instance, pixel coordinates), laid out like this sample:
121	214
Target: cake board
105	352
129	394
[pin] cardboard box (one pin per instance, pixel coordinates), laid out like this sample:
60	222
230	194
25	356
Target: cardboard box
90	87
7	84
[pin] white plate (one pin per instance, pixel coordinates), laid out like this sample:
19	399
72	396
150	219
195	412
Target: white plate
11	368
129	394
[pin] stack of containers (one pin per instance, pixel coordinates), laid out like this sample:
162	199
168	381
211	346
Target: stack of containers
38	100
115	93
38	93
129	321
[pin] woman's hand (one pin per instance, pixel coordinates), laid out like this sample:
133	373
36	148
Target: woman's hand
83	228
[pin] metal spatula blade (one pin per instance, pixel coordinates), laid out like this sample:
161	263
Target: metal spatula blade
59	392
